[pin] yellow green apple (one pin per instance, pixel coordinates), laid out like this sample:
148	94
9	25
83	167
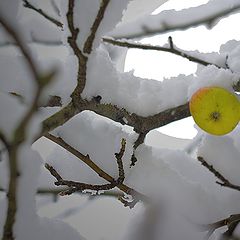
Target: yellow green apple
215	110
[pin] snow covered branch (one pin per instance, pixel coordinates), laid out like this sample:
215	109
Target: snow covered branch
171	20
171	49
140	124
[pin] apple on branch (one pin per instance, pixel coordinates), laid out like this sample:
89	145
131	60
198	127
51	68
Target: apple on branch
215	110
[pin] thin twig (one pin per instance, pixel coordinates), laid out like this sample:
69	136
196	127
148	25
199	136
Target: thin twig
89	42
171	49
27	4
82	59
74	186
223	181
80	187
86	159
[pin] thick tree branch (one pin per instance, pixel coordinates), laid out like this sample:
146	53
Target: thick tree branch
27	4
223	181
140	124
171	49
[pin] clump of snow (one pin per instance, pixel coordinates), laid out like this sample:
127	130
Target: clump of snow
141	96
94	133
213	76
232	50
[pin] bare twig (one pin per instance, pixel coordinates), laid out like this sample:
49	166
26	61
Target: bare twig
223	181
82	59
171	49
27	4
89	42
78	186
86	159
